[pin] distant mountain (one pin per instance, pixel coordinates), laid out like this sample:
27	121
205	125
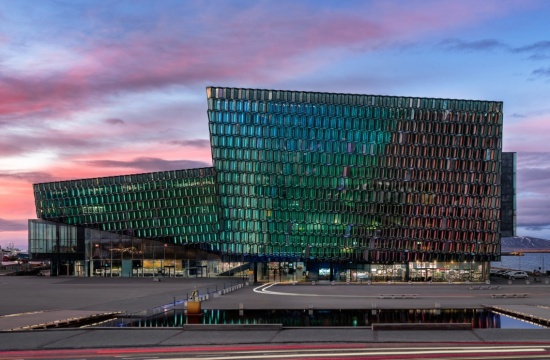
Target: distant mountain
518	243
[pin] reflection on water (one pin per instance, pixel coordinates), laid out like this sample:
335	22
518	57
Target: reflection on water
479	318
528	262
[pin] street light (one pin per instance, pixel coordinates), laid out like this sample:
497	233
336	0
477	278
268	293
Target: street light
90	260
154	243
91	266
164	256
155	224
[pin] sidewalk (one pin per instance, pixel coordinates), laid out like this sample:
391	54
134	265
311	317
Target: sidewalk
117	338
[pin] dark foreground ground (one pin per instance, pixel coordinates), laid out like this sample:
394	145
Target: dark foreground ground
33	299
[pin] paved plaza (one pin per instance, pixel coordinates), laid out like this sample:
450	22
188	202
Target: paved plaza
37	299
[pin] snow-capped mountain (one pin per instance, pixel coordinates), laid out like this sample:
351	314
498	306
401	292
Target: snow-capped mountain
524	243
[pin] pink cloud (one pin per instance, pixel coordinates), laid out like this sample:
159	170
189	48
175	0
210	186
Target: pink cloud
528	134
420	17
250	45
19	204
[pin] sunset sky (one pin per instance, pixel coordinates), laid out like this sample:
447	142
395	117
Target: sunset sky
100	88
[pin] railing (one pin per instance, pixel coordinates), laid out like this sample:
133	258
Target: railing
203	293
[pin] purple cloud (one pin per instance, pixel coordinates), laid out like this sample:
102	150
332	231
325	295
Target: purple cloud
114	121
533	160
198	143
13	225
477	45
31	176
542	72
149	164
533	189
21	143
158	51
538	50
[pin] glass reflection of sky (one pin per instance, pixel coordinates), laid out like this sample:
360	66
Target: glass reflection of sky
507	322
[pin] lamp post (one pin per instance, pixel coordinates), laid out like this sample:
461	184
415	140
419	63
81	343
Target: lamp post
90	260
154	248
155	224
164	256
96	246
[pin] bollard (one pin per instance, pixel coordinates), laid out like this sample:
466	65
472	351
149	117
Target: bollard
313	282
193	307
332	282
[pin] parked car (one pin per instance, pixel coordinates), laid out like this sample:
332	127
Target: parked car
502	272
512	275
494	272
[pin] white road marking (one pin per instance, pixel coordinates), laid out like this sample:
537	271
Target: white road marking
370	353
263	290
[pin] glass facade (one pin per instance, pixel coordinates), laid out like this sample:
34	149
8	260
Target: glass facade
79	251
177	207
360	185
508	206
339	177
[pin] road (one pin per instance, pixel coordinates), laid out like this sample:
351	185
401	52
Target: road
318	352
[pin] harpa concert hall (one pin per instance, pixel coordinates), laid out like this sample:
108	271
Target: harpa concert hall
304	186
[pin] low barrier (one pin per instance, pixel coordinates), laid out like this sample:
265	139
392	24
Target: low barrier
421	326
522	295
254	327
398	296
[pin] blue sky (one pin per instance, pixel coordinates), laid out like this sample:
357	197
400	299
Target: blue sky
98	88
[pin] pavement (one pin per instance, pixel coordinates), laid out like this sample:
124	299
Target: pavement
27	300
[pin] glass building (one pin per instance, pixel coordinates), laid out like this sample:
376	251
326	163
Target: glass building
335	186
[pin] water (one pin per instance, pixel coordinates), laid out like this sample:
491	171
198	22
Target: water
528	262
479	318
